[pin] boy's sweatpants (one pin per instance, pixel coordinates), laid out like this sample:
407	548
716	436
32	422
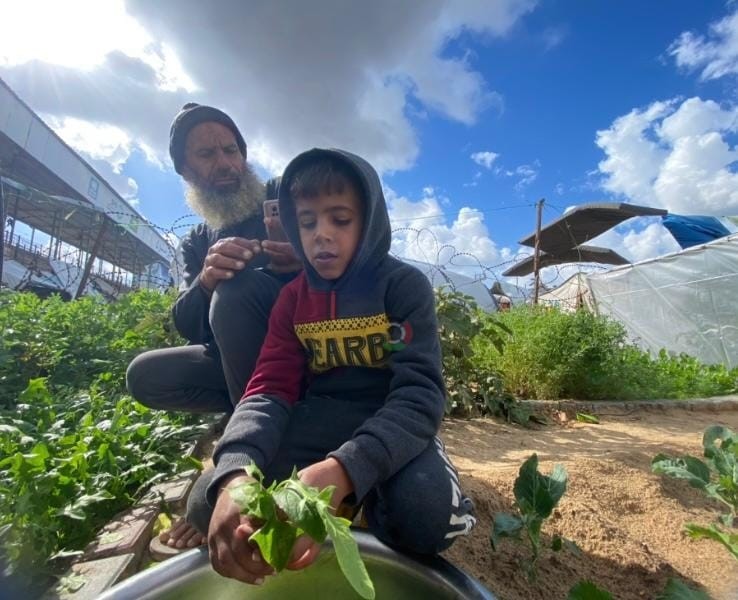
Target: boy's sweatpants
419	509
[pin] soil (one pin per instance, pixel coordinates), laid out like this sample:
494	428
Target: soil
627	521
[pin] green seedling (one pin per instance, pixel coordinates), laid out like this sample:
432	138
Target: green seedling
289	509
586	590
678	590
536	496
717	477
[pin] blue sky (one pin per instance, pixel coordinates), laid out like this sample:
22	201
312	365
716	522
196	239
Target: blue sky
471	110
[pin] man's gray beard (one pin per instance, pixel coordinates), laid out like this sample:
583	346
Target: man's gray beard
221	210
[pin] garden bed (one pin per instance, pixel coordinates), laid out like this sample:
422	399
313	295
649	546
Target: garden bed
627	521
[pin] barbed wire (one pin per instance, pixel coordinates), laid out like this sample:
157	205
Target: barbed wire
420	244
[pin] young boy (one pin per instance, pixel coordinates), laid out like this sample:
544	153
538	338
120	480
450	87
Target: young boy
348	386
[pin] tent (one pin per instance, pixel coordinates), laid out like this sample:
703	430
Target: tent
571	295
686	302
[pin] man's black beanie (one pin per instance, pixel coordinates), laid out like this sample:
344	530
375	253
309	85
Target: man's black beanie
193	114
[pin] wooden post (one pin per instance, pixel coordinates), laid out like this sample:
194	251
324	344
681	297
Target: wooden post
536	255
91	258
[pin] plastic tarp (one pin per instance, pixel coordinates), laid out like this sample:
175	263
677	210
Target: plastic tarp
580	254
584	223
17	276
571	295
685	302
694	230
440	277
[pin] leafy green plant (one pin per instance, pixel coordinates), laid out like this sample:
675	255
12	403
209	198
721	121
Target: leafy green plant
289	509
586	590
472	389
536	496
71	460
74	446
717	477
678	590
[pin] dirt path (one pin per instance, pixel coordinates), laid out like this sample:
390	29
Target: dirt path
627	521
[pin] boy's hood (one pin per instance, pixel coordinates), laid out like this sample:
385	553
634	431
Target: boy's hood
376	235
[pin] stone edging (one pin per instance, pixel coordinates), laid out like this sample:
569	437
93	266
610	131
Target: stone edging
718	403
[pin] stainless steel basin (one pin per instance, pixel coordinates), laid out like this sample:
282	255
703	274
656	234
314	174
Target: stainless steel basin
395	576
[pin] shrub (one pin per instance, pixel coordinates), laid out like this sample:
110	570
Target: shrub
550	354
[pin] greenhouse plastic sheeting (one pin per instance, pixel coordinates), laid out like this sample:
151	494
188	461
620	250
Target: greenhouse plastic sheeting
569	296
686	302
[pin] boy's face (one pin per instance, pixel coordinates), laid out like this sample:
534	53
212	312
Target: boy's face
330	230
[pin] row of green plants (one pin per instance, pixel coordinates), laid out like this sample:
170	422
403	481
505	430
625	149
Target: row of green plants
75	448
546	354
537	495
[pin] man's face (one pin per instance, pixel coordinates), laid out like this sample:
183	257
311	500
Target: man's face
212	158
330	230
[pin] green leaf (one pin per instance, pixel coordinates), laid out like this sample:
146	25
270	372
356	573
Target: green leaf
302	512
349	559
714	433
275	540
538	494
247	496
587	418
586	590
690	468
71	583
505	525
678	590
557	543
253	471
729	540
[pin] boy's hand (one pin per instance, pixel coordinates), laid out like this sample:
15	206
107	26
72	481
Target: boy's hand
320	475
282	257
231	554
225	257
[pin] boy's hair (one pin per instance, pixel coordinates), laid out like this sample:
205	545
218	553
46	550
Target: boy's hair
324	176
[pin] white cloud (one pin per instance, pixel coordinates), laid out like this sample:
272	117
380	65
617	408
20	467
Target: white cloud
79	34
715	54
527	174
104	146
293	75
639	244
421	231
675	156
98	141
485	159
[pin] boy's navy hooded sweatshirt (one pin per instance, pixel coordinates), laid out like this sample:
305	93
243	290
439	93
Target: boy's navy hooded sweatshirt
369	338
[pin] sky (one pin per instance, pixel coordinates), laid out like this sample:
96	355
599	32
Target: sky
471	110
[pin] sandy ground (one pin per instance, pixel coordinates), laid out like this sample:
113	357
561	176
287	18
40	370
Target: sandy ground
627	521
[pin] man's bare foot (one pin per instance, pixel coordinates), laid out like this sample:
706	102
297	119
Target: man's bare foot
181	535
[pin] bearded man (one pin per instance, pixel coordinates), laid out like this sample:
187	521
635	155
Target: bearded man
232	272
232	276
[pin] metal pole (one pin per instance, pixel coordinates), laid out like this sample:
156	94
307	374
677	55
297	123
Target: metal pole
536	255
91	258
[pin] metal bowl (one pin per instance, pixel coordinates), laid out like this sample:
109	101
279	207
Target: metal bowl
395	576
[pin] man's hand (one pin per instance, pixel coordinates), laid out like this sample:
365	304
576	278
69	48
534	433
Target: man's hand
282	257
231	554
320	475
225	257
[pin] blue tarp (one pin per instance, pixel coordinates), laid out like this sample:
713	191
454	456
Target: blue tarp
693	231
